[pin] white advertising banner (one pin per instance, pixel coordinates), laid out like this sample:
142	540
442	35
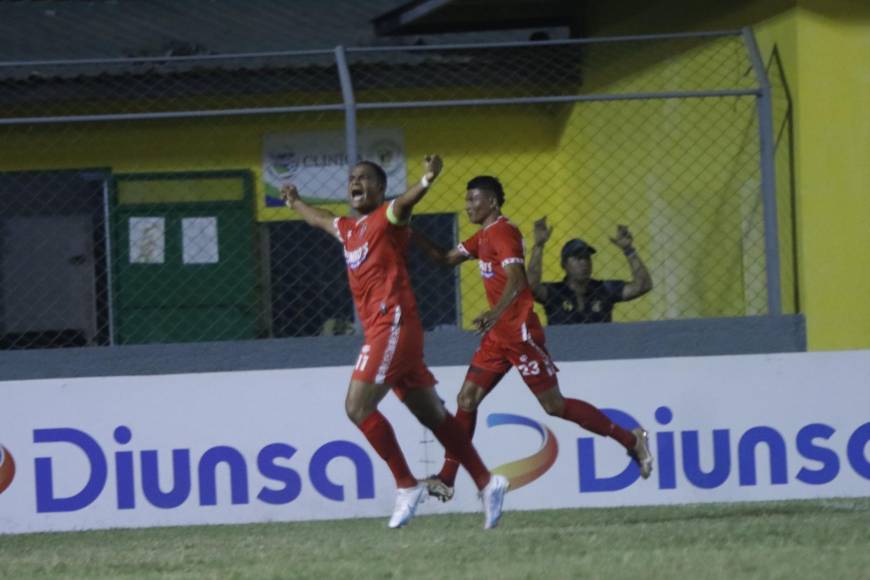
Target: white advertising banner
261	446
316	162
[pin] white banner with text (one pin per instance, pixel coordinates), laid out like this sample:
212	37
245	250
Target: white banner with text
208	448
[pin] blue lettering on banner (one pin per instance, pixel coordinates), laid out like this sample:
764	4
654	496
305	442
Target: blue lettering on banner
291	480
692	459
220	459
180	490
45	499
207	475
365	477
829	460
856	448
589	481
762	440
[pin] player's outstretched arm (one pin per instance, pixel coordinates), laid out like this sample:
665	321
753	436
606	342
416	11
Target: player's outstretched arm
313	216
403	204
439	255
516	283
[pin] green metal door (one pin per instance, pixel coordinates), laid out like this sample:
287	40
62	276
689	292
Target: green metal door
185	258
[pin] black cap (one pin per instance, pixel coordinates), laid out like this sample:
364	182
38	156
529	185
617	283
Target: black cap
576	247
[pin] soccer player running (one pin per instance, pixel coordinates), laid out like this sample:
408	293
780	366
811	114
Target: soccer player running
375	246
512	333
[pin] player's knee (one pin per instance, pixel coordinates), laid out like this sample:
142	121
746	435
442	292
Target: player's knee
554	407
355	412
467	400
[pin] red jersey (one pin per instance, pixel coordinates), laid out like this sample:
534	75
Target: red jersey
375	251
495	246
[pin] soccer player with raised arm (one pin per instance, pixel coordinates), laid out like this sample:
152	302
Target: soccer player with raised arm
512	333
375	247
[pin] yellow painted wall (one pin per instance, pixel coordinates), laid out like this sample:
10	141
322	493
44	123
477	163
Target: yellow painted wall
825	50
682	174
834	171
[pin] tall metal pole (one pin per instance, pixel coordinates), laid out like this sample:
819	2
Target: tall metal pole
107	231
768	176
349	131
349	105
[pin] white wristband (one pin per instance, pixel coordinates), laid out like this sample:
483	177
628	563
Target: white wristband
425	183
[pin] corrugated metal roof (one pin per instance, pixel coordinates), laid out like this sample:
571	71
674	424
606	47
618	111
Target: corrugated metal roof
52	29
176	48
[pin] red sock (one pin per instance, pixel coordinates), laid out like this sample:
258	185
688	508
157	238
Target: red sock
467	420
454	439
381	436
592	419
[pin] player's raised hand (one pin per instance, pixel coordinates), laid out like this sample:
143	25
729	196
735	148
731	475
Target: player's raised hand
623	238
542	232
289	194
432	167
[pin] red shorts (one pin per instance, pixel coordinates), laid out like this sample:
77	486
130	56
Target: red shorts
493	360
393	355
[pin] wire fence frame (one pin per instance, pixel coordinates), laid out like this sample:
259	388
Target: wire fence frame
349	106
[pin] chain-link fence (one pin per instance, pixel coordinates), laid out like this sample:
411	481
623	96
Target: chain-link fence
139	197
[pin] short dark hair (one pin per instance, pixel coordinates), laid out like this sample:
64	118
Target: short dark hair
379	171
488	183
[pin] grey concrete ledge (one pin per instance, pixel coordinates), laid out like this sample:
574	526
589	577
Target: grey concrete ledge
697	337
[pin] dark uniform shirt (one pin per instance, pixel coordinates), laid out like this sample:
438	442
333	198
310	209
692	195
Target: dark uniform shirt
598	300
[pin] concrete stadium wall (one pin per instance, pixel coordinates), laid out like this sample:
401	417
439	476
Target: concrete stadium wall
703	337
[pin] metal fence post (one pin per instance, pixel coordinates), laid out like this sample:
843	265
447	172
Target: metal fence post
351	149
107	227
768	176
349	105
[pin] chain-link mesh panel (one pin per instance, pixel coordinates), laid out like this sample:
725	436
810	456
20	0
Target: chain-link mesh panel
147	208
682	174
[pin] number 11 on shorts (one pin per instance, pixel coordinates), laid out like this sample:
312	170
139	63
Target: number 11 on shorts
363	359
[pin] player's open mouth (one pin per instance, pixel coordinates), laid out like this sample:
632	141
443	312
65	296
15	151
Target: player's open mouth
357	194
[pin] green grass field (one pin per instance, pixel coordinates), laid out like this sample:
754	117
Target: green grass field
827	539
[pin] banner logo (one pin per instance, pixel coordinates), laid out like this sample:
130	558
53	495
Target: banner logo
284	483
7	468
525	471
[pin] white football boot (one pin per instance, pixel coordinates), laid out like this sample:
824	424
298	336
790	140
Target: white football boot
438	489
641	453
407	499
493	500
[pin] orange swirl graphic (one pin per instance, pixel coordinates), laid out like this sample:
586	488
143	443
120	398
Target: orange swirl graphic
524	471
7	468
